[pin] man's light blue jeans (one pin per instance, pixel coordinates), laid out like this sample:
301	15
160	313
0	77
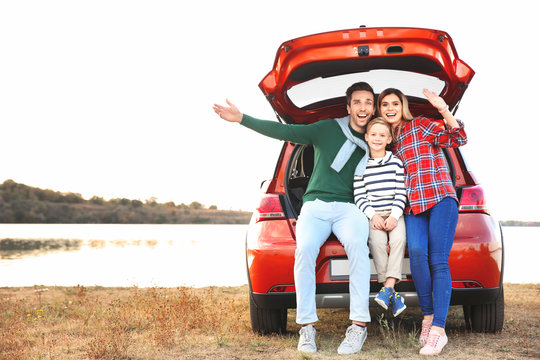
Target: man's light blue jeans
317	220
430	236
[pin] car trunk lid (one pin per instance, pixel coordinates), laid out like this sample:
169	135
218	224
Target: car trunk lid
311	73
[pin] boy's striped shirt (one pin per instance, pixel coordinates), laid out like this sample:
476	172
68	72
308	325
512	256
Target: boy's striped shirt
382	187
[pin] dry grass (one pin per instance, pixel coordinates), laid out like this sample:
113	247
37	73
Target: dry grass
213	323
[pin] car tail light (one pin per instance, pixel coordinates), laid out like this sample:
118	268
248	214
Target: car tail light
472	200
465	284
283	288
270	208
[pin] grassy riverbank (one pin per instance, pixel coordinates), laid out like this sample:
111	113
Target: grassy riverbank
213	323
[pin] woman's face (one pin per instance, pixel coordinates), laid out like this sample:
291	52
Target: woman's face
391	109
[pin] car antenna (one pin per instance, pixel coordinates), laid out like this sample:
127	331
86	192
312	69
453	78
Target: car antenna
454	110
277	115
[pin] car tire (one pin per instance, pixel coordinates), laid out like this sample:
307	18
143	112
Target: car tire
486	318
267	321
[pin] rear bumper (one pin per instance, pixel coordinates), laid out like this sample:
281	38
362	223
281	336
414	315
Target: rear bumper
337	296
477	259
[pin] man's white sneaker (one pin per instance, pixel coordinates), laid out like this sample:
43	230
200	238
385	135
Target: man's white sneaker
435	344
306	343
354	339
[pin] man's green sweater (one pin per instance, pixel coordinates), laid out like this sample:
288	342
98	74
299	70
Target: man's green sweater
327	138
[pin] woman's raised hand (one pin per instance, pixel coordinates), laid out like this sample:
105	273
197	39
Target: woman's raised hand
229	113
435	100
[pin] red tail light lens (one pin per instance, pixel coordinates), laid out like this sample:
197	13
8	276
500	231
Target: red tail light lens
472	200
465	284
283	288
270	208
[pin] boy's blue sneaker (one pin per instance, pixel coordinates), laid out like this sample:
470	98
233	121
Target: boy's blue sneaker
398	304
384	297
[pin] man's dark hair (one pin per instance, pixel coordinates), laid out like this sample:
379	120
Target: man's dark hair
359	86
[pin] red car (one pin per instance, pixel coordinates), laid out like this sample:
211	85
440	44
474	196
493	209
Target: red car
307	84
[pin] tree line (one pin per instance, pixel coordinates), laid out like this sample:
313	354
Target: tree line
21	203
519	223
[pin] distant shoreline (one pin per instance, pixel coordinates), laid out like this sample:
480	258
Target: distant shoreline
25	204
520	223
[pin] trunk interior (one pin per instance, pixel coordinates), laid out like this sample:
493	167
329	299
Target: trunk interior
298	174
299	171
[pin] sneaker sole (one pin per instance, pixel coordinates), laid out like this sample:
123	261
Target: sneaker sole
350	353
381	302
432	351
400	310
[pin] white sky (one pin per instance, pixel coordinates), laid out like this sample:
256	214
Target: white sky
113	98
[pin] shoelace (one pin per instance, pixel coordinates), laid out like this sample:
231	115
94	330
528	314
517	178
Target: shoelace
432	340
426	327
308	337
352	335
387	291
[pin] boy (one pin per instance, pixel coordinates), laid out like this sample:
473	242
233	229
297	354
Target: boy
380	193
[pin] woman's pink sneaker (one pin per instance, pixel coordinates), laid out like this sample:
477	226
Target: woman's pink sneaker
435	344
426	327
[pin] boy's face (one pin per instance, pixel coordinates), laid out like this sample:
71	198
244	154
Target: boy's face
377	138
361	109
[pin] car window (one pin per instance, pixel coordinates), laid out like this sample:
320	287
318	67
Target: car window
461	152
320	89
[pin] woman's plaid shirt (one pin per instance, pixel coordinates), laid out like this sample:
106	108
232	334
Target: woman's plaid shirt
427	178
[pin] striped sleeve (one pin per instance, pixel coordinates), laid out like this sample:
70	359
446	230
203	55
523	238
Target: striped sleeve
400	199
360	197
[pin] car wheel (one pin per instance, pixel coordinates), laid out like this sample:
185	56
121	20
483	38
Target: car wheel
267	321
487	318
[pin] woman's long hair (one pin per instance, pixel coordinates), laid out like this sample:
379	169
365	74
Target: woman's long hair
405	112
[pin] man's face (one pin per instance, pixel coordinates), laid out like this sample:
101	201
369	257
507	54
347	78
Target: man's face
361	109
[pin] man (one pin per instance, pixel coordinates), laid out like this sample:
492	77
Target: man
328	206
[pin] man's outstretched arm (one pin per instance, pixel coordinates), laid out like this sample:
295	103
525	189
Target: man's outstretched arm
301	134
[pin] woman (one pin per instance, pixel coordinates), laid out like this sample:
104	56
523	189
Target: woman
432	214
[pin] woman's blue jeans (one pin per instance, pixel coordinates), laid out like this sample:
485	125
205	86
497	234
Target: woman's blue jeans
430	236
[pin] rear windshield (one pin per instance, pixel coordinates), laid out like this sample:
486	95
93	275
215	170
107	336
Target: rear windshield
320	89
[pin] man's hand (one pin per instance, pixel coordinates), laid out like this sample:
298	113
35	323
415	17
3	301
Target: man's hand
377	222
229	113
390	224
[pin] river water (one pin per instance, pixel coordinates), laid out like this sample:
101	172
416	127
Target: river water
168	255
